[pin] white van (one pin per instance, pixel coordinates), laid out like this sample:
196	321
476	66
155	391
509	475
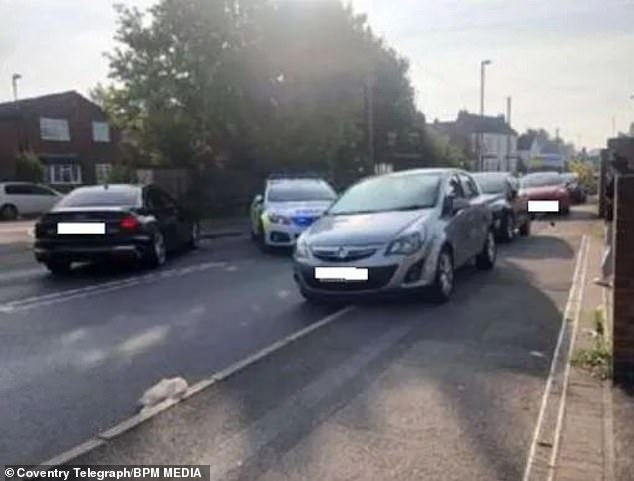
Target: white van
25	198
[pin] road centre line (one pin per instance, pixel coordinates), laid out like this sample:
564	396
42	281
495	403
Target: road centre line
102	288
133	421
581	258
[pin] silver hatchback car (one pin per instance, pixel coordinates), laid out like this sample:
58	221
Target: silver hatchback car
404	231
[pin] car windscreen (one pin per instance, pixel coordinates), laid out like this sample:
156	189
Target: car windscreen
389	193
541	180
491	184
300	191
101	197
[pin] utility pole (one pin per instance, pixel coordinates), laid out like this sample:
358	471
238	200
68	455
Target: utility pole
14	82
483	65
369	96
613	126
508	135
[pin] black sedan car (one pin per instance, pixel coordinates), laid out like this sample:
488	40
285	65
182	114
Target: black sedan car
510	208
107	222
576	189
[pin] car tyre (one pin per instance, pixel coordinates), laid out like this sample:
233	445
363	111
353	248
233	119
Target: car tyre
194	240
508	227
9	212
525	229
442	288
485	260
314	299
156	254
59	268
565	211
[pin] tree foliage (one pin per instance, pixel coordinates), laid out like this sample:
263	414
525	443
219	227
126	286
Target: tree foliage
29	168
254	85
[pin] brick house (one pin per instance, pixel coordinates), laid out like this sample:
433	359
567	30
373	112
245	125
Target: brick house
492	136
69	133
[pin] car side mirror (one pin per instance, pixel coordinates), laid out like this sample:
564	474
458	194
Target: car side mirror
453	205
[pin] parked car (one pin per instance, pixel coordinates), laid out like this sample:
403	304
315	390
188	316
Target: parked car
25	198
288	206
576	189
510	209
546	186
106	222
400	232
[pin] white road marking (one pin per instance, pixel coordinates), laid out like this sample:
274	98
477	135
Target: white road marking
102	288
141	417
562	400
581	257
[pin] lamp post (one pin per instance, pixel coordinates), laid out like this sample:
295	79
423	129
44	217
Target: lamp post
14	82
483	65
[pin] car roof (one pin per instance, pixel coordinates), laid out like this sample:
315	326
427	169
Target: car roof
115	187
492	173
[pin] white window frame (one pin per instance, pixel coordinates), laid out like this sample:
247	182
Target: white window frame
100	132
53	129
58	177
102	172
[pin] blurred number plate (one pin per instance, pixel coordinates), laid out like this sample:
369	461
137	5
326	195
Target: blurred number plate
81	228
341	274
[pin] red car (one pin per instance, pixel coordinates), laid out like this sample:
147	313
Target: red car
547	186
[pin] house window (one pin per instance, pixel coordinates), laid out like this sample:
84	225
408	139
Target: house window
64	174
54	129
100	132
102	172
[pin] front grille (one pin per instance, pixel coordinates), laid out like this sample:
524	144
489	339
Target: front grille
378	277
280	237
343	254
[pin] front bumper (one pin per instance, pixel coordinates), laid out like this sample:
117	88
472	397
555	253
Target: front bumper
283	235
387	275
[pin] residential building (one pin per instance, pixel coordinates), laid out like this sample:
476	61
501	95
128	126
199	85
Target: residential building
540	154
69	133
489	138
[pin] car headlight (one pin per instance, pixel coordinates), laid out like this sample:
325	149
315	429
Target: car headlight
301	249
278	218
406	245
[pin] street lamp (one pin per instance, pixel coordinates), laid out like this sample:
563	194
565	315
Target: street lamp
14	82
483	65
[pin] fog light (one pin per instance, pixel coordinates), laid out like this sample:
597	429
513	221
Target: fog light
414	272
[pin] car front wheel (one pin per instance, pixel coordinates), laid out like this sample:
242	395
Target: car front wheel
194	239
443	284
508	228
485	260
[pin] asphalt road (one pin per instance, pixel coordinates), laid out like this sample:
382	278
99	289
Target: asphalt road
77	353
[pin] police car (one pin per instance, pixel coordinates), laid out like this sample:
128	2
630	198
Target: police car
289	205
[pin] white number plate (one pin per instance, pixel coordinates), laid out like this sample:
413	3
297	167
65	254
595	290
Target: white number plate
341	274
96	228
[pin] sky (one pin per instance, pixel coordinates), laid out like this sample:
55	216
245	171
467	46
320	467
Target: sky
567	64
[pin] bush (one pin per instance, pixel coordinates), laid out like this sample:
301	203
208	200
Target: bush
29	168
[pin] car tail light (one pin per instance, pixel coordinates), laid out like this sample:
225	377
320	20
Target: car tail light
129	223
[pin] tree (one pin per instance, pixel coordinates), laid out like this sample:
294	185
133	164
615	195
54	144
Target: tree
29	168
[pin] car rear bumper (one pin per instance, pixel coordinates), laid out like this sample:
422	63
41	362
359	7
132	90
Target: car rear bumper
84	253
